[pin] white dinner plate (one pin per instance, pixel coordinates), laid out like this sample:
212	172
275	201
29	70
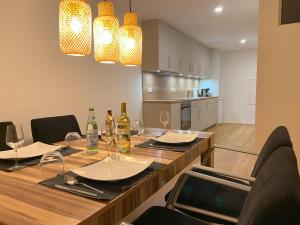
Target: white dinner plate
33	150
114	170
176	138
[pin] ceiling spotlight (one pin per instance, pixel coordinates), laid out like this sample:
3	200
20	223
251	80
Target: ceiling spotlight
219	9
243	41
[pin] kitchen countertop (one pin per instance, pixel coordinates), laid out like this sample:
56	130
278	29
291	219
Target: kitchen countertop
179	100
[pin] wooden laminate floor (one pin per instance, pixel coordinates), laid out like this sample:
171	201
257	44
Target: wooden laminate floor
236	135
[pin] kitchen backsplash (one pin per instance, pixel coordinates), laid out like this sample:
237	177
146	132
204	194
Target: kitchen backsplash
160	87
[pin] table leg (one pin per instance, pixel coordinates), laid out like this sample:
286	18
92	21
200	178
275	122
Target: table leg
207	157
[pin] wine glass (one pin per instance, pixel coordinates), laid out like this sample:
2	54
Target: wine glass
71	137
138	127
107	135
15	140
51	164
164	118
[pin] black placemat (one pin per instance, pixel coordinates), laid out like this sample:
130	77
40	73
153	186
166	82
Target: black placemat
169	147
7	165
111	189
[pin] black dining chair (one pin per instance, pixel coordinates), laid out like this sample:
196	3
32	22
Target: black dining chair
50	130
3	126
274	197
278	138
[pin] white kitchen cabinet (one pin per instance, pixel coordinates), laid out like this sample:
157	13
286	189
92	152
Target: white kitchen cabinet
215	112
162	47
205	63
205	117
167	49
199	60
212	112
186	55
204	114
195	58
195	116
175	51
175	116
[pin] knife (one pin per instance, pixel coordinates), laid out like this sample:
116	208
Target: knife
160	146
61	187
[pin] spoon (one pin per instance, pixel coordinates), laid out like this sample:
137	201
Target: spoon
71	180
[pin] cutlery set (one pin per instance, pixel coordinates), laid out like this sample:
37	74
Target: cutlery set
64	188
72	181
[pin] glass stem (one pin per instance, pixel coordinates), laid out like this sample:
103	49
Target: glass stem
16	160
107	149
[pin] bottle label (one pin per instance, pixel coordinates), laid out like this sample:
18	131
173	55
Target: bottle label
124	143
123	140
92	140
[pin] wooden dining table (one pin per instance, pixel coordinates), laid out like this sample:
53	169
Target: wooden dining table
23	201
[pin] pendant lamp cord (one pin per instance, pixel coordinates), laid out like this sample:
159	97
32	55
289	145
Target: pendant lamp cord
130	5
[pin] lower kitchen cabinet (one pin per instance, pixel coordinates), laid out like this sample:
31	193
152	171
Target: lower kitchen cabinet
195	115
214	111
204	114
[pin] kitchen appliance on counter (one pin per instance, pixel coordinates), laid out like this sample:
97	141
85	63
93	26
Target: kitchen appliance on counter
186	115
205	92
196	93
189	93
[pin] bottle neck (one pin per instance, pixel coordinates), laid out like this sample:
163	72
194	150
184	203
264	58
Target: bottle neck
92	115
123	108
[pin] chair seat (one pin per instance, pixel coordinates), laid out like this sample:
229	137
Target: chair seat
163	216
213	197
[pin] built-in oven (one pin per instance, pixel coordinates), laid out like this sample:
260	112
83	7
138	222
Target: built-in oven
186	115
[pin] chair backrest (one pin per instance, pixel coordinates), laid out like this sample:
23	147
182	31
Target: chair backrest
278	138
275	195
3	126
53	129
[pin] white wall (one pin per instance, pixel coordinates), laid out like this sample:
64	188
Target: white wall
237	85
278	77
37	80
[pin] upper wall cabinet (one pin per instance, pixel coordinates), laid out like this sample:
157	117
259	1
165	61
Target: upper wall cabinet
167	49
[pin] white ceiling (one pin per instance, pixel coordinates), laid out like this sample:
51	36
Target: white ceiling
197	19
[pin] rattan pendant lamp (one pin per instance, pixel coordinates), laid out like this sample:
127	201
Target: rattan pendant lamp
106	34
131	39
75	27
